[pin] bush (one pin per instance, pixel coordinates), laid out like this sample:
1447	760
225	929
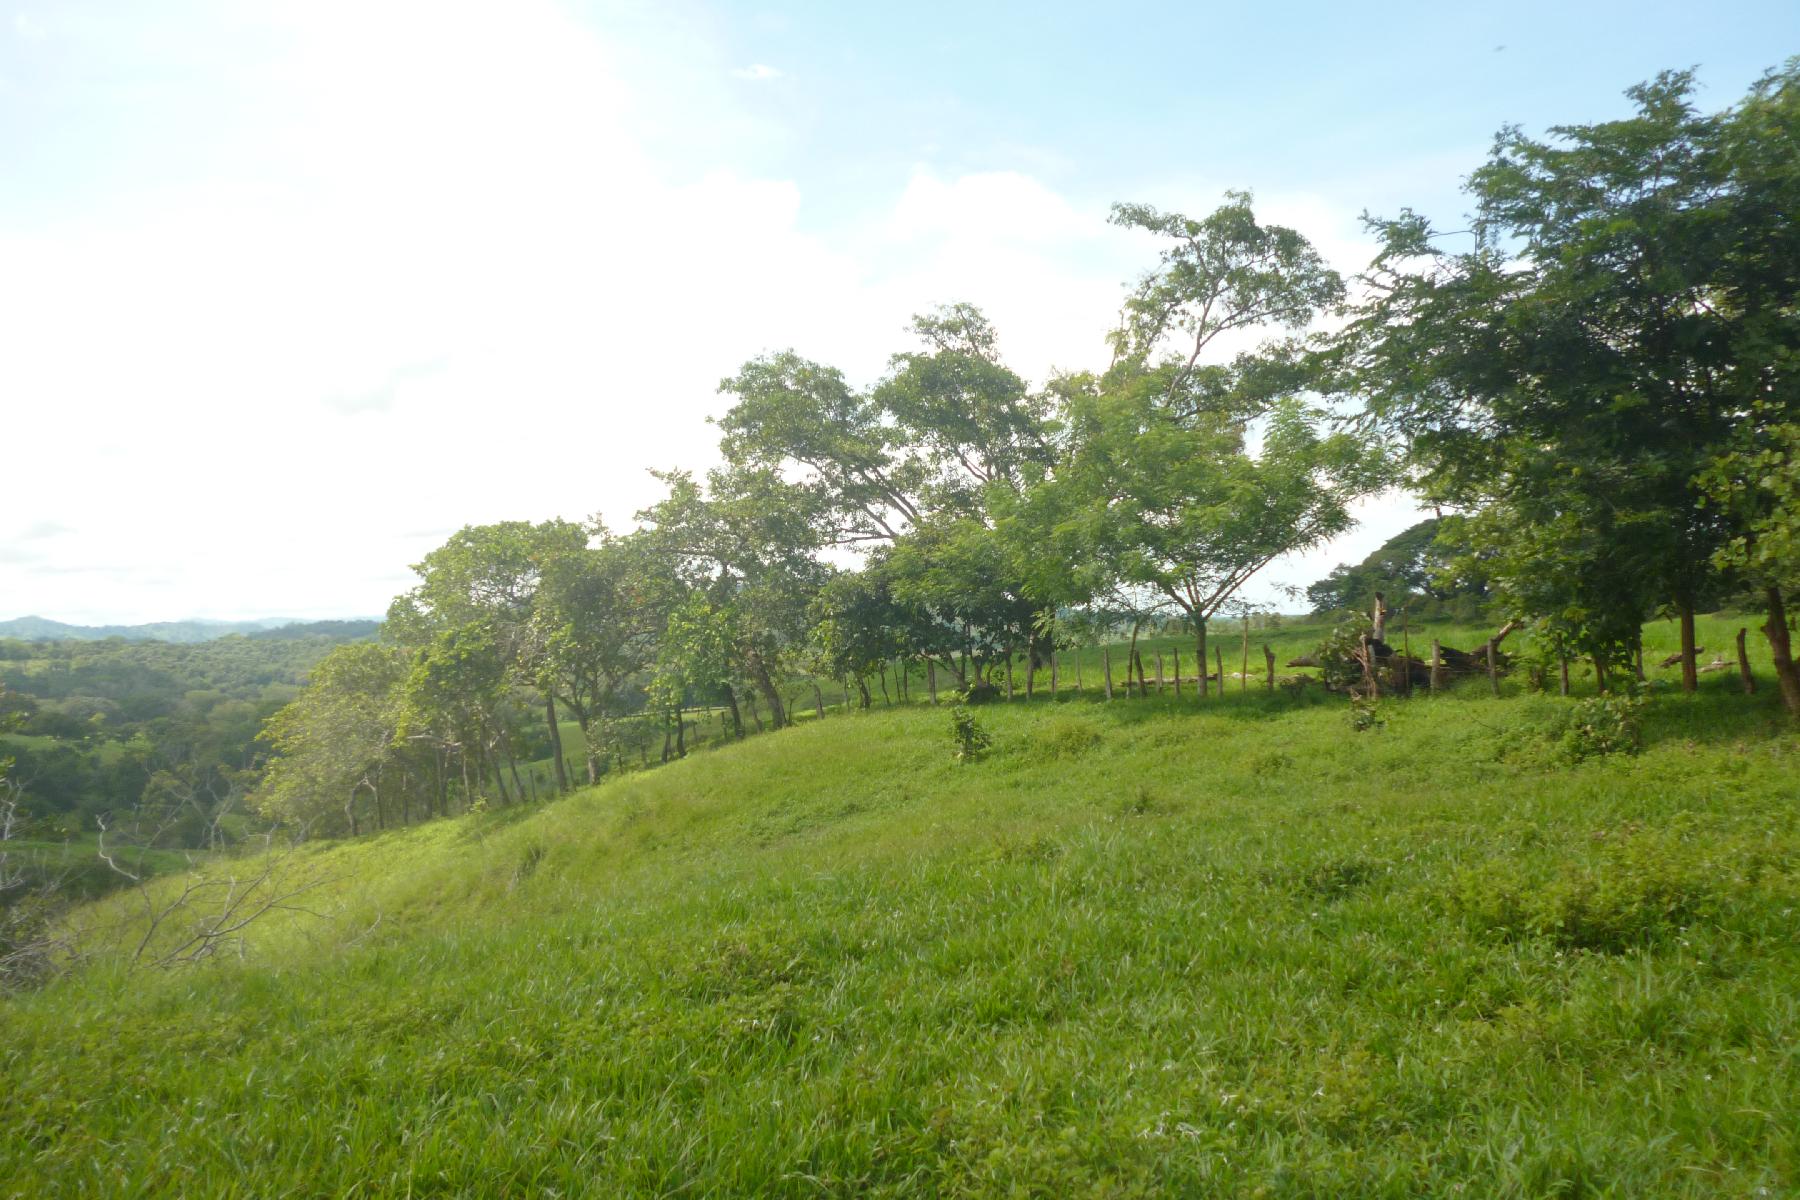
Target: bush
1337	654
1605	725
1364	716
972	741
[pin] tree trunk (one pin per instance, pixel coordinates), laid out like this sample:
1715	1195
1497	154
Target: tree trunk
862	687
737	718
1269	664
1106	669
1562	660
885	698
777	710
1177	654
680	733
1781	648
350	811
499	779
590	747
556	746
1200	653
1744	665
1219	656
1690	671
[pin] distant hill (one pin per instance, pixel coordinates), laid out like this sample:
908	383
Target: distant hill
42	629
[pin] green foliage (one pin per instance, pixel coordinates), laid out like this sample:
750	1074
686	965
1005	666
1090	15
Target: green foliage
971	738
1365	715
1424	568
1601	725
1337	656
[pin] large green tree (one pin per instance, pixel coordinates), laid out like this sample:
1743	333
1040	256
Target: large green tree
1622	310
1182	474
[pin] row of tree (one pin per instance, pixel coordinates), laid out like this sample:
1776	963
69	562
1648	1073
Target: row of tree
1599	386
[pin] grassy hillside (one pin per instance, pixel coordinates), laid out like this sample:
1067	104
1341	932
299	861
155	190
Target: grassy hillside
1143	948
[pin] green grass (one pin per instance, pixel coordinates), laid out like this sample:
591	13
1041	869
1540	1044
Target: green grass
1143	948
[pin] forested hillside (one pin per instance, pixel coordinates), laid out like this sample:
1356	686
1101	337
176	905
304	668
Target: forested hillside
149	734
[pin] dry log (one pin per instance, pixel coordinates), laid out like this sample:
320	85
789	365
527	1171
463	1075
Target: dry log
1676	657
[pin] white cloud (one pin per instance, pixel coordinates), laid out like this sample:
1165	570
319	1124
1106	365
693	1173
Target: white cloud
442	280
757	72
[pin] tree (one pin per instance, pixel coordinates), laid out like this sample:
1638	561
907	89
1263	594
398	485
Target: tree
485	577
745	547
1187	477
1616	318
335	740
597	618
1425	565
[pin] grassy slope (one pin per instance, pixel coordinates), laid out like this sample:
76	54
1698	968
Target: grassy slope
1142	949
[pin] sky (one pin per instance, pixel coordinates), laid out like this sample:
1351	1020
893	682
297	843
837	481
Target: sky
292	289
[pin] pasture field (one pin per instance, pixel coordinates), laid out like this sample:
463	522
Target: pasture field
1143	948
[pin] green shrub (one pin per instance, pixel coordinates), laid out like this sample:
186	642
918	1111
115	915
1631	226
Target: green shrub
1605	725
1364	715
1339	666
972	741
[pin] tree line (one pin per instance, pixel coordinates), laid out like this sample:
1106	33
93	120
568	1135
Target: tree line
1594	384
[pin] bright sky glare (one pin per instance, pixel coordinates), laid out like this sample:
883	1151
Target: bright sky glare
291	289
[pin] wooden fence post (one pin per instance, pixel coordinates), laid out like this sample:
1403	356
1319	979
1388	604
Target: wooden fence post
1744	665
1219	657
1269	662
1177	651
1159	673
1053	664
1030	673
1562	657
1406	650
1368	661
1244	671
1106	668
1009	673
931	679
